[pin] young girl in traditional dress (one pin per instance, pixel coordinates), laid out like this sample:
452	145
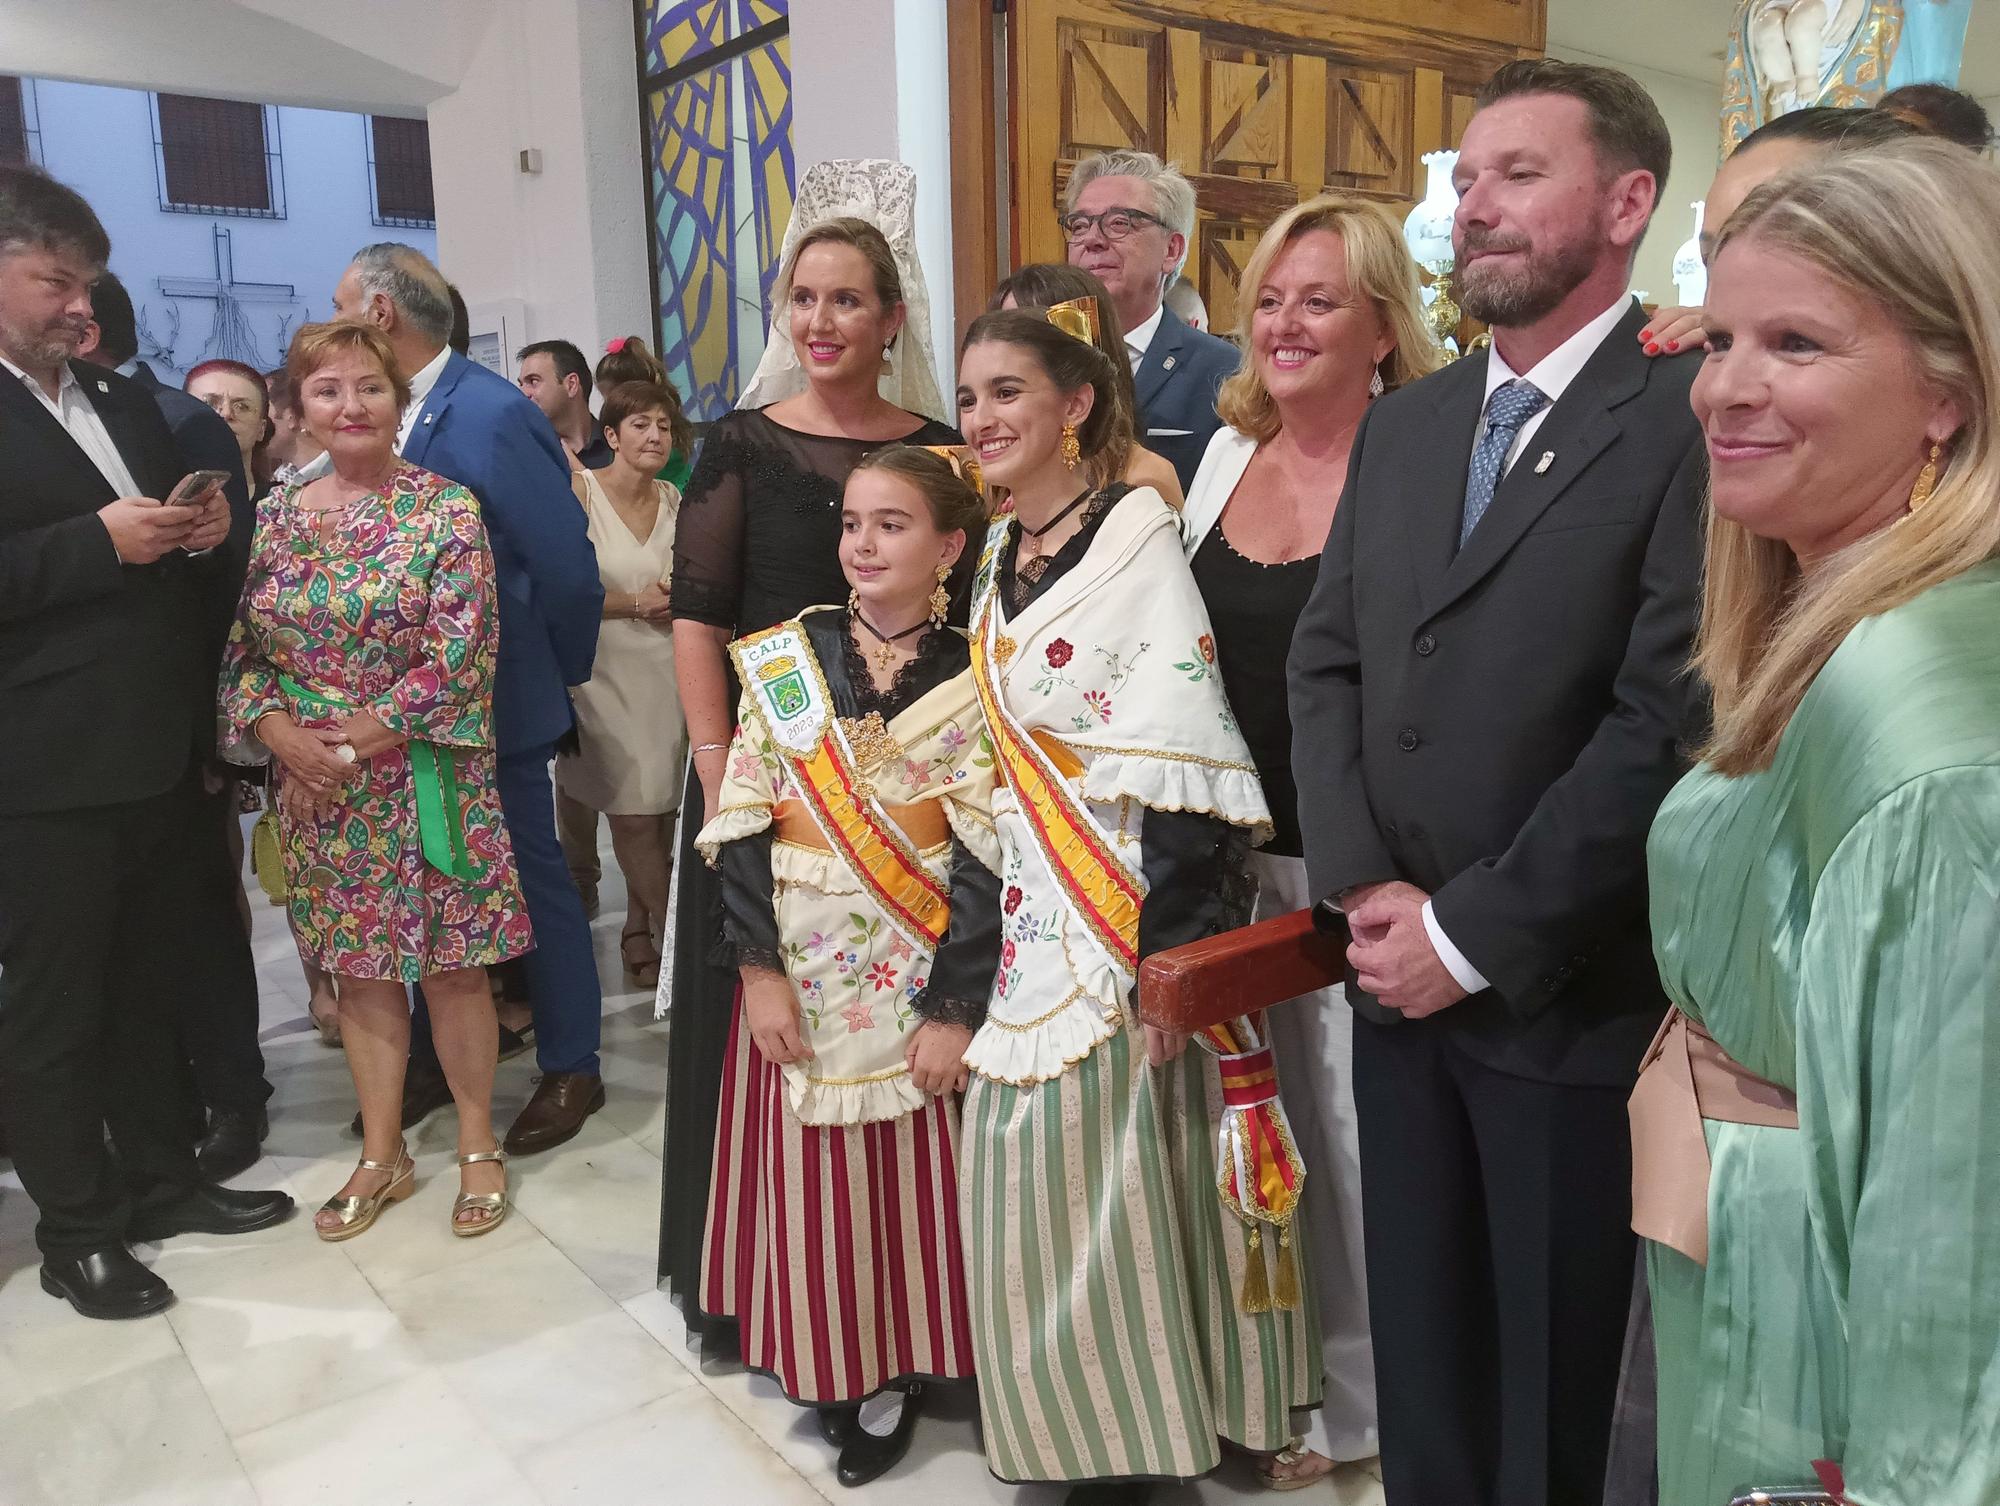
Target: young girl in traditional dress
855	806
1110	1340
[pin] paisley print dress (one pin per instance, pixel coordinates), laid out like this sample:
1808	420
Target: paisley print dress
388	606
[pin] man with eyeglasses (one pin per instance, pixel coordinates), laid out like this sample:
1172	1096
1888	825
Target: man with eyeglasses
1129	219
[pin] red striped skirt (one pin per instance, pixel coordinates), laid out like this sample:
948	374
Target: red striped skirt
836	1249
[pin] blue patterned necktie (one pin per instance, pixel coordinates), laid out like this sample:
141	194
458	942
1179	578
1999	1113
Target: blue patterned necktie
1513	404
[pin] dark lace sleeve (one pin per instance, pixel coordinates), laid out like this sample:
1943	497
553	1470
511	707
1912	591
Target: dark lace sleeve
1190	859
962	972
709	534
749	923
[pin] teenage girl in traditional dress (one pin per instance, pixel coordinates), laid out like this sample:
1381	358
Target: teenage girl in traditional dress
856	803
1108	1284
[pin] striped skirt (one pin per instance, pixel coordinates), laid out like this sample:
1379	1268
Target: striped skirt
835	1249
1104	1278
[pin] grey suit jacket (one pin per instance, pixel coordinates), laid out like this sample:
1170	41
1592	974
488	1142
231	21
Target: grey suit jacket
1498	724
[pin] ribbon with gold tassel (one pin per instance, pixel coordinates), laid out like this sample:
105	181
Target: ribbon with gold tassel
1258	1172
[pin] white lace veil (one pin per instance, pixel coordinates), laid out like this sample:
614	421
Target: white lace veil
884	194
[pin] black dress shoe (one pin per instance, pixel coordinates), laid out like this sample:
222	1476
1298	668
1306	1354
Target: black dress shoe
208	1209
1109	1493
234	1141
424	1092
107	1283
864	1456
837	1424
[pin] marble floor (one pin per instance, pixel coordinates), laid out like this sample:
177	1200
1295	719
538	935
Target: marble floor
536	1364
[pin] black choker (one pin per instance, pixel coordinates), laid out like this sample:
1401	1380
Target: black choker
885	655
1031	564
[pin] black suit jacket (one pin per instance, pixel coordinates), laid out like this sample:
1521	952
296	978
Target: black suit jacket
1498	724
107	671
207	443
1175	387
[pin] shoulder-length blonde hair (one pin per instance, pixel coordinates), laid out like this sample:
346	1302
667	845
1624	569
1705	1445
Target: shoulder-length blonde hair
1379	269
1909	227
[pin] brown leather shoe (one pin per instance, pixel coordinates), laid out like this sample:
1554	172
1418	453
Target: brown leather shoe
562	1101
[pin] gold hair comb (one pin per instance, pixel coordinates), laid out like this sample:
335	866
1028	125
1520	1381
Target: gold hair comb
964	463
1076	318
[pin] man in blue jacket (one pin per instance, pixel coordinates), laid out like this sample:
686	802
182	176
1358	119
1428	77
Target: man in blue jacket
475	428
1129	219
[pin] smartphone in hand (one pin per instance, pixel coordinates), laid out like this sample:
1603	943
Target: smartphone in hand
194	488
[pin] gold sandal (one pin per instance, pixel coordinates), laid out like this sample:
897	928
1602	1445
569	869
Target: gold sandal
493	1204
358	1214
1290	1457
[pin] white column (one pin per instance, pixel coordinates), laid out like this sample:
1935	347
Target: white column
868	80
558	77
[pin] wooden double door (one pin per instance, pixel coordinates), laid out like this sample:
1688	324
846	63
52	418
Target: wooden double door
1262	103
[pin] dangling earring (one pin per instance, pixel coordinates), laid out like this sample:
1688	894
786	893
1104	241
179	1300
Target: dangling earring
940	598
889	358
1926	479
1375	383
1072	452
853	600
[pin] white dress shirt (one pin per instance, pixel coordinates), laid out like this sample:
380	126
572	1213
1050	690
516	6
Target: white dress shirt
1552	375
71	408
421	383
1139	339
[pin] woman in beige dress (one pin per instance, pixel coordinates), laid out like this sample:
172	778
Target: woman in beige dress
633	741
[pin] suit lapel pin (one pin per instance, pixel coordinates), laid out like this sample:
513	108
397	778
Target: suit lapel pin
1548	459
103	387
1168	364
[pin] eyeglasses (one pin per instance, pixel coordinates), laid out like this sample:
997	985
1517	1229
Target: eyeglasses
1116	224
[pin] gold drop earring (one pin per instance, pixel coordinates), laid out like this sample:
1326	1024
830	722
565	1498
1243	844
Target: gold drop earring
1926	478
1072	452
940	598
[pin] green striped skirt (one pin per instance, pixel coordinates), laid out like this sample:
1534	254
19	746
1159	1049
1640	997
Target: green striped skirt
1105	1331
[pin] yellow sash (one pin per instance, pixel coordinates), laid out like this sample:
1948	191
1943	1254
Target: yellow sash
874	847
1100	887
788	685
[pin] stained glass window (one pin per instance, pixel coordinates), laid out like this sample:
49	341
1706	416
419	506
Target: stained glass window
716	81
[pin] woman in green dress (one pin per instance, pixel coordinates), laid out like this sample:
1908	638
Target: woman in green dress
1818	1157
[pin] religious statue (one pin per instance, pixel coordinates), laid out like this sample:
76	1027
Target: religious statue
1784	55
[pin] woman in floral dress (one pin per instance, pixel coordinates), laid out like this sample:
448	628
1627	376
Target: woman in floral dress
855	803
363	659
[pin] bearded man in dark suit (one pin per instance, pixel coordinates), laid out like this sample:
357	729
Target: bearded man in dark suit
1489	694
108	601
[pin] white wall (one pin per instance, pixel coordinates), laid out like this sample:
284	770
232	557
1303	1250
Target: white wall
493	75
869	80
99	140
569	242
1693	112
923	135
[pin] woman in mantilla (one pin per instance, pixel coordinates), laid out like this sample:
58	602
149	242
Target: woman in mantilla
856	804
757	543
1124	1323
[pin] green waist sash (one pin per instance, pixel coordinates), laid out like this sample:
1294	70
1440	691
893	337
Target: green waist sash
439	819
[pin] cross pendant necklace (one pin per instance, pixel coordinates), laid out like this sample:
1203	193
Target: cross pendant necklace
884	653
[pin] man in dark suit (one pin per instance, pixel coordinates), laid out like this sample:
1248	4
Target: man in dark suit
107	718
555	377
1129	220
475	428
1490	704
219	1034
